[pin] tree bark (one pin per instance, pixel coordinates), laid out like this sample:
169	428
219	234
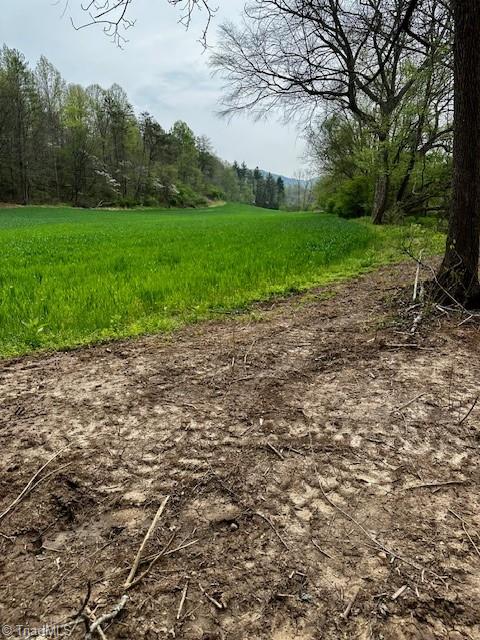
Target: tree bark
458	274
382	186
380	199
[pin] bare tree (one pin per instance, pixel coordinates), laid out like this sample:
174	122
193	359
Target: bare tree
360	55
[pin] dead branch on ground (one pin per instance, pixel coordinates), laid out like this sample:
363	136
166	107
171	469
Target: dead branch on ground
151	529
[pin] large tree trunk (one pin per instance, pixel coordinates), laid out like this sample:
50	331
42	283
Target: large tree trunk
458	273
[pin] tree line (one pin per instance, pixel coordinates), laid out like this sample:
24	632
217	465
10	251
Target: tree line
63	143
258	187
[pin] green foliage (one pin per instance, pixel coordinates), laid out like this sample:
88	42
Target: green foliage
418	181
62	143
185	196
347	197
70	277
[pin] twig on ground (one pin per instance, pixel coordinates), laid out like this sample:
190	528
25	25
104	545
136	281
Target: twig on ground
168	552
151	529
85	560
182	601
252	426
379	545
416	321
407	345
245	357
153	562
107	617
465	530
297	451
180	548
270	523
275	450
469	411
85	600
187	614
399	592
417	278
324	553
433	485
371	537
410	402
93	618
4	535
31	484
350	604
216	603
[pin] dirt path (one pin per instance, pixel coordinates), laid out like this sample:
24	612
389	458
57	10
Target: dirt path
244	418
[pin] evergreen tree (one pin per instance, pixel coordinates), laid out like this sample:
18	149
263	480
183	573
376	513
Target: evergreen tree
280	192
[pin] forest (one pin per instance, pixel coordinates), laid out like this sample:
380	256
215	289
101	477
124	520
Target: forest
64	143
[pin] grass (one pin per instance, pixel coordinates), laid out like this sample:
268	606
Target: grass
70	277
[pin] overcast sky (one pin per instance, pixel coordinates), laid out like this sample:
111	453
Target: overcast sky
162	68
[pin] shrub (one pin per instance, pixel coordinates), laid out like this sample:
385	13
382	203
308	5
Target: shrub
347	197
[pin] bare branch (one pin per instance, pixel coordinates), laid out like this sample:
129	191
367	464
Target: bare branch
114	16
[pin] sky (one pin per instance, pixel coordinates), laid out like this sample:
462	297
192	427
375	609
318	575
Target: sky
163	68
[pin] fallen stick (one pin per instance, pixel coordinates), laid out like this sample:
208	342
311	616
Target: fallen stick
182	601
170	551
181	547
417	278
4	535
151	529
216	603
107	617
465	530
410	402
433	485
371	537
469	411
324	553
93	617
399	592
30	485
153	562
378	544
260	515
74	568
350	604
407	345
275	450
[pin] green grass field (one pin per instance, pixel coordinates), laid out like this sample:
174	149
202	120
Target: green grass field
71	277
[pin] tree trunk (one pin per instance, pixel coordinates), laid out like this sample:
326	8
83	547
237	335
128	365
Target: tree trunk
382	185
380	198
458	274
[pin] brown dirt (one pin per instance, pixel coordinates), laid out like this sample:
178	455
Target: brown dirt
315	376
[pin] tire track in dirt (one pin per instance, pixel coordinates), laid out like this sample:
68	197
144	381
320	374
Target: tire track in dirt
236	418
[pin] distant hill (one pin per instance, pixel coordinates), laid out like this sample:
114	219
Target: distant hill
289	182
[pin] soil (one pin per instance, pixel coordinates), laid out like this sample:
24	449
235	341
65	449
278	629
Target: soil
320	462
